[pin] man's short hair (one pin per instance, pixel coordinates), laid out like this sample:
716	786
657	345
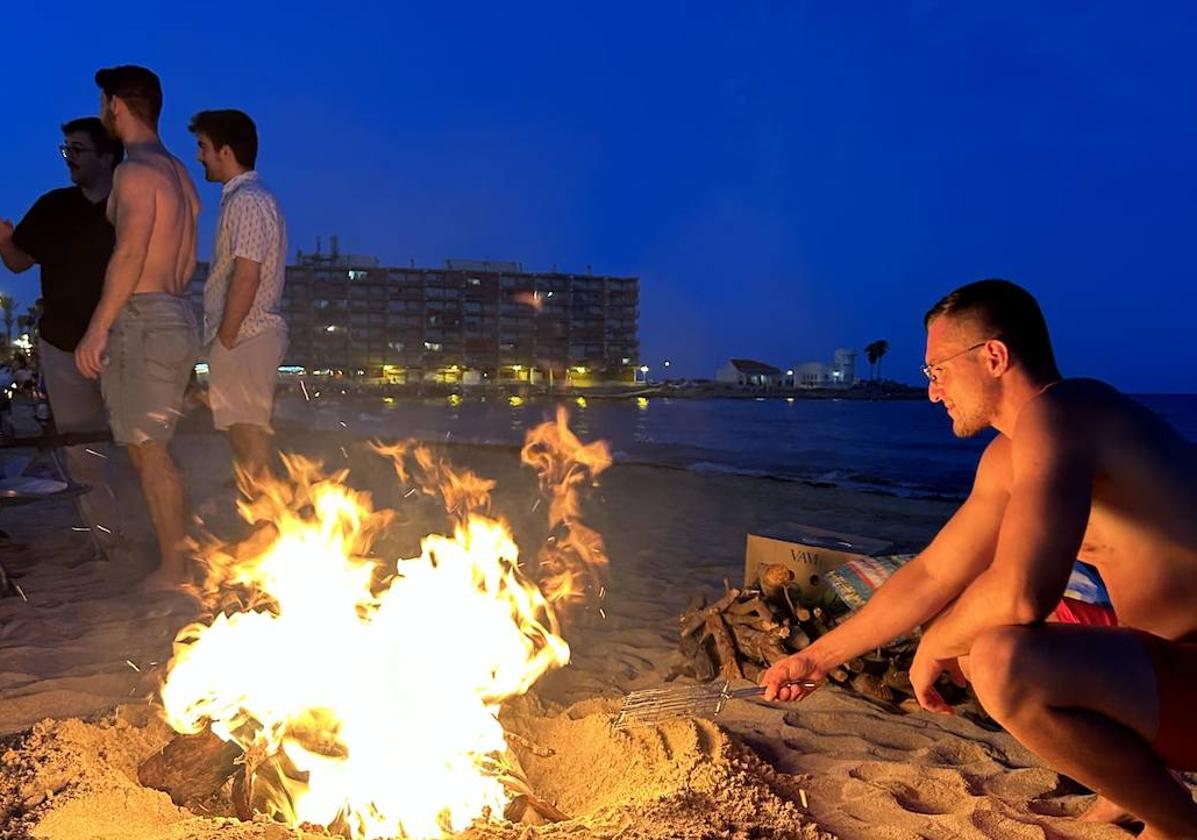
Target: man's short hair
232	128
1006	311
104	142
137	87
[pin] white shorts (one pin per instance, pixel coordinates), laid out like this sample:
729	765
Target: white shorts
241	381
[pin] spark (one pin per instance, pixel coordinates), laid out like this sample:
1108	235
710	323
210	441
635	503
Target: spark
535	505
304	388
345	452
79	528
410	493
602	613
102	528
20	592
130	663
344	425
97	454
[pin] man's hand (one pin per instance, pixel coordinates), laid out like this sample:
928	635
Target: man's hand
89	354
228	342
781	680
6	230
925	670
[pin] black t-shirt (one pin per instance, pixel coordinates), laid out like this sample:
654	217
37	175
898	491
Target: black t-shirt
71	239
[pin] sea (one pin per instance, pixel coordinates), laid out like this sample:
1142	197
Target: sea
900	447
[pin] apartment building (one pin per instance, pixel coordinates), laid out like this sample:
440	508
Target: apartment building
470	321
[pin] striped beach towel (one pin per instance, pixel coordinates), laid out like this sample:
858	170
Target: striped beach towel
856	580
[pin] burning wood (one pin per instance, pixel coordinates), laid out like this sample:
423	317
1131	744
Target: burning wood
191	767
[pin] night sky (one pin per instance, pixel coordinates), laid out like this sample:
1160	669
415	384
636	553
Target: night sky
784	178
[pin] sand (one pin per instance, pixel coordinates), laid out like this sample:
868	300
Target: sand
83	645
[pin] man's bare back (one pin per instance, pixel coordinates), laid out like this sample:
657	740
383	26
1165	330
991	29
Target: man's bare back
170	250
1142	531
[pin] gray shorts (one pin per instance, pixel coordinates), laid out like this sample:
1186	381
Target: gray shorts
152	349
241	381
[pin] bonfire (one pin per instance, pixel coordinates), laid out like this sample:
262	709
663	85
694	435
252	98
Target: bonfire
361	693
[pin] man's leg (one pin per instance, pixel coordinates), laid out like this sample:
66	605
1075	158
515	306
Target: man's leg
166	499
1085	701
78	407
241	385
251	448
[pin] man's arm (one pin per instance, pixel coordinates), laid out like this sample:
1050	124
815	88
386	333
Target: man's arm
15	260
1053	463
134	197
247	275
918	591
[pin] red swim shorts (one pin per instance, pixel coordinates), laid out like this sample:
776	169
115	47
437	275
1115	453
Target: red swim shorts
1175	666
1176	682
1072	611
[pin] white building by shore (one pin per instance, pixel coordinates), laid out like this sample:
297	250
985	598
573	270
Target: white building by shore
840	372
749	373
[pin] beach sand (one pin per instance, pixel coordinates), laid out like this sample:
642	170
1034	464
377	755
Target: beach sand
84	644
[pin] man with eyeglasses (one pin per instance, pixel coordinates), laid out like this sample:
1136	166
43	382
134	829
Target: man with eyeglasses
1077	470
67	233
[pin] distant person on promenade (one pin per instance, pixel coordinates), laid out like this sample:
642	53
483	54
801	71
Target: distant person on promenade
142	340
244	333
1077	470
67	233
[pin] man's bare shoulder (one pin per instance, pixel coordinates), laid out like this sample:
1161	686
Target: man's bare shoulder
1068	408
132	172
994	470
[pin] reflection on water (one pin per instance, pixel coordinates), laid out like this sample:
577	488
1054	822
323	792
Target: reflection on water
897	446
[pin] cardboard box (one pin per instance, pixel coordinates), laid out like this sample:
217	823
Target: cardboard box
807	552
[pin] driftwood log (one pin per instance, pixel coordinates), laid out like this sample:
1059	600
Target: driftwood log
190	767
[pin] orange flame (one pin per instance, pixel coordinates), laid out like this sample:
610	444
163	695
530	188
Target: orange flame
573	557
368	701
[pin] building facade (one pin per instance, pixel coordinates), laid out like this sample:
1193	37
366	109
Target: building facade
840	373
468	322
748	373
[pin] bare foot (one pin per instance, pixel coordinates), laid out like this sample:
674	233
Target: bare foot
1103	810
161	580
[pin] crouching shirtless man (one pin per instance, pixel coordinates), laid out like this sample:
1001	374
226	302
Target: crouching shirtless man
143	340
1077	470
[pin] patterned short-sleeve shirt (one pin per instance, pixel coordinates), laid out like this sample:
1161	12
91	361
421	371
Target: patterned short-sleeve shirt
250	226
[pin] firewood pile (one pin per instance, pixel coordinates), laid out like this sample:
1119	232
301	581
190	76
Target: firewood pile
742	633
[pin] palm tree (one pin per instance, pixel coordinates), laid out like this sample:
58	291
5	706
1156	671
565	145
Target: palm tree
874	352
7	304
30	320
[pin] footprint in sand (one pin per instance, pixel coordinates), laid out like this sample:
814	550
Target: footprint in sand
918	790
959	753
1023	784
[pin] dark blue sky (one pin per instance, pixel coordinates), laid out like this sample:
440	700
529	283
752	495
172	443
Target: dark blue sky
784	177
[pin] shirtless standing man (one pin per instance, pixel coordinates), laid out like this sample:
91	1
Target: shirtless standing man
142	341
1077	470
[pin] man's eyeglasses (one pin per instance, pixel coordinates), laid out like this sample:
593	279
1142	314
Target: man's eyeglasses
68	151
929	370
